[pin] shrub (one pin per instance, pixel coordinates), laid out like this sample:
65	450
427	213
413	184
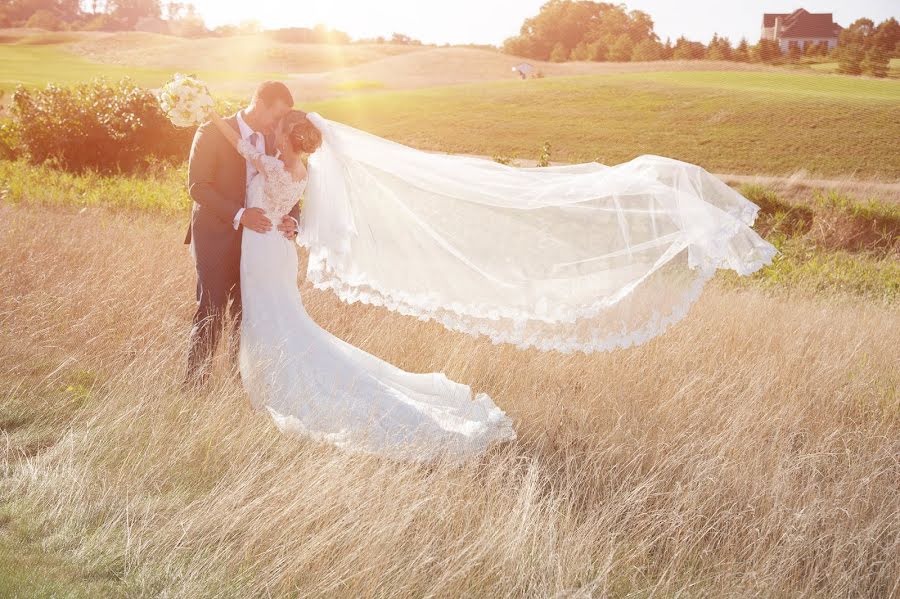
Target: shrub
102	126
876	63
544	160
9	140
102	22
621	50
560	53
647	50
44	19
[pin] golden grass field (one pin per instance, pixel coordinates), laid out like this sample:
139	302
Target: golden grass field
750	451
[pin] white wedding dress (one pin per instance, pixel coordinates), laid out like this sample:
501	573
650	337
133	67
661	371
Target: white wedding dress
318	386
585	258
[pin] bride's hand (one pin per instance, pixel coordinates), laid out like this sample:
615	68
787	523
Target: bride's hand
288	227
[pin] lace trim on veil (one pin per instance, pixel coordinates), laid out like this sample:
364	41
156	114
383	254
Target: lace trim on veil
720	238
477	320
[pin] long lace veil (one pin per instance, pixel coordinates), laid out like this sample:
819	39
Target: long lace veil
585	257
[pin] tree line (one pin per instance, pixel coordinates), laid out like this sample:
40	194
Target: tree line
180	18
569	30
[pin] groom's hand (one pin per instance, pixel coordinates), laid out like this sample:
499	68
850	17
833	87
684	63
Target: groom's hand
288	227
255	219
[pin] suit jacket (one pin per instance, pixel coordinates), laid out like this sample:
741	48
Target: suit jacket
217	182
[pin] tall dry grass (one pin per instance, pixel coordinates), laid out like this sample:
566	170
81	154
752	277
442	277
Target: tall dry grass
750	451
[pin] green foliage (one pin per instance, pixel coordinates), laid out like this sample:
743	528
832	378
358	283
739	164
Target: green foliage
44	19
622	49
742	52
835	245
719	49
685	49
565	29
9	140
864	49
545	155
559	53
767	51
875	63
103	126
161	188
305	35
647	50
805	267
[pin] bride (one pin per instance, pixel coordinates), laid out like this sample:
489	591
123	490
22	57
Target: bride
584	258
315	384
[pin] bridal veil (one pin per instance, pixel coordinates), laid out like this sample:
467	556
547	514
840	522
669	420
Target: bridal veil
585	257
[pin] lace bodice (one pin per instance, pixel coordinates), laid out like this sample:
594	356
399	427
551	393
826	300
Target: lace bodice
279	190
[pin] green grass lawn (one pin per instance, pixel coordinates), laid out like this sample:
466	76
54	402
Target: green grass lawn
805	265
752	123
832	67
37	65
747	122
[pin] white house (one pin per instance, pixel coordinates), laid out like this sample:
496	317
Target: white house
800	28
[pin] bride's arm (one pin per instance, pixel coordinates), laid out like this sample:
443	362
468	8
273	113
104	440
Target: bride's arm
235	140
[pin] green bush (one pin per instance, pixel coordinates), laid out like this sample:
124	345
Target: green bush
9	140
44	19
101	126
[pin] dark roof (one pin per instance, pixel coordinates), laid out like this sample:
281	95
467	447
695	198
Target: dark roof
801	23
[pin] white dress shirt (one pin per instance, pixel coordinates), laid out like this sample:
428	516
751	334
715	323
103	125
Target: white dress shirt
246	132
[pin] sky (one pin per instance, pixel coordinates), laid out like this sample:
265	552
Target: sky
492	21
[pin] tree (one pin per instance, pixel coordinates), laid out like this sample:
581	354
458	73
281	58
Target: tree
598	52
174	10
742	52
767	51
559	53
581	52
668	50
102	22
851	58
572	22
688	50
647	50
719	48
404	40
876	63
852	46
129	11
44	19
622	50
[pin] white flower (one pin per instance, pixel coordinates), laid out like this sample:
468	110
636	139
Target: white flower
185	100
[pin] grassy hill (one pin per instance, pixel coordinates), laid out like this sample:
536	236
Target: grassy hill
740	122
729	117
242	53
316	71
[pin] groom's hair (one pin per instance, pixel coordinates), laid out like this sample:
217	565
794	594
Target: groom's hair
273	91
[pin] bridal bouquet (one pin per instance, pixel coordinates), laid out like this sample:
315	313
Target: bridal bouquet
185	100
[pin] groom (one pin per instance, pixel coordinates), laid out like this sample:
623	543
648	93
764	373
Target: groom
217	180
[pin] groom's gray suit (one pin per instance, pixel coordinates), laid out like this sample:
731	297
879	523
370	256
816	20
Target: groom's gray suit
217	181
